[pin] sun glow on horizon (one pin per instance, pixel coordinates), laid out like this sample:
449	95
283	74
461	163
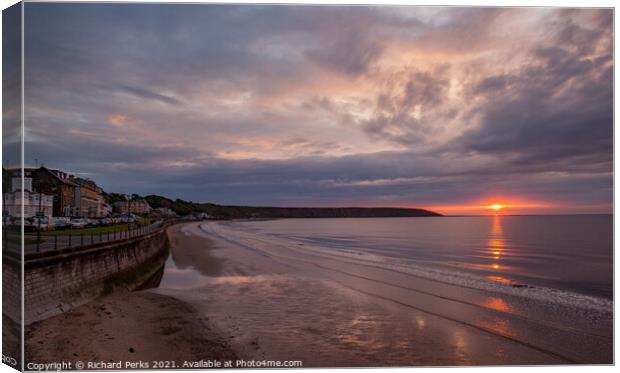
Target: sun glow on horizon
495	207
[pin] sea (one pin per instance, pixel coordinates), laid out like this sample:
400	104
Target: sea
565	252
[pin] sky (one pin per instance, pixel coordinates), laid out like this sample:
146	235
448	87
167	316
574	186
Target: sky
452	109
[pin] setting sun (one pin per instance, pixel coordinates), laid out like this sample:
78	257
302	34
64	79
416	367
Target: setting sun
496	206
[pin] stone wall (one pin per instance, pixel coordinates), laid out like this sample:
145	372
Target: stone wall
11	286
56	283
11	309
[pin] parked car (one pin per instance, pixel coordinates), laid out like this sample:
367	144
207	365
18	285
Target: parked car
79	223
92	222
44	224
128	218
61	223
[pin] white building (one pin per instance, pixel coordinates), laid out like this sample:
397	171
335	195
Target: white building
13	199
164	211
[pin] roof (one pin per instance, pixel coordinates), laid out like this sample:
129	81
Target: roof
87	183
55	175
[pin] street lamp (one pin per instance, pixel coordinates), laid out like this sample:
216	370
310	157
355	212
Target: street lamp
127	196
39	215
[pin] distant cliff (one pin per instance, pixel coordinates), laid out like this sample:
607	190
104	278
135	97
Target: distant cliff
315	212
183	208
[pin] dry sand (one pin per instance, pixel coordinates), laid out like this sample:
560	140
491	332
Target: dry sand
127	327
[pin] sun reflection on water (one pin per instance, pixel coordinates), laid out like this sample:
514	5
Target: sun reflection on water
496	243
495	250
499	279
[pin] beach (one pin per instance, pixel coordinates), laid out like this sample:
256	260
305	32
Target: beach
228	292
126	328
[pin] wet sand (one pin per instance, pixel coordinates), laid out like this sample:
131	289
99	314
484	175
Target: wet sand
127	327
281	310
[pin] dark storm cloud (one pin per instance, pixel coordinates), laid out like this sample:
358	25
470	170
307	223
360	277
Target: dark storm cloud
324	105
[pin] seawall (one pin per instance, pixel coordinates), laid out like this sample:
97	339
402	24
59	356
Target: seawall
55	282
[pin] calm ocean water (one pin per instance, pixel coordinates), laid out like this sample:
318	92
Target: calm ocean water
573	253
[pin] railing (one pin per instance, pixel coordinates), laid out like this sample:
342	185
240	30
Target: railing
76	239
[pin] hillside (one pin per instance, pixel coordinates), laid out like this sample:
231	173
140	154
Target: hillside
183	208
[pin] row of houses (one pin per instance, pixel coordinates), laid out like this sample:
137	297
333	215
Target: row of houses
56	193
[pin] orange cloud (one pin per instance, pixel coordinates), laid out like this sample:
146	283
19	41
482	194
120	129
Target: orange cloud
117	119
